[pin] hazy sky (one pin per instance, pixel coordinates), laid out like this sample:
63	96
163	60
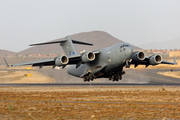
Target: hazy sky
23	22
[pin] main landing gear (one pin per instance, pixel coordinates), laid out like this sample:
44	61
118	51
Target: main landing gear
88	77
116	77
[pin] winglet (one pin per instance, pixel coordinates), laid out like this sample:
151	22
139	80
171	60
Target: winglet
7	65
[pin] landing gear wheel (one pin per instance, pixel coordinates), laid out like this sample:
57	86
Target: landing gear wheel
120	77
91	78
116	78
84	79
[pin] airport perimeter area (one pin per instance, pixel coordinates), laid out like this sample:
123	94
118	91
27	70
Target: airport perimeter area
89	102
49	100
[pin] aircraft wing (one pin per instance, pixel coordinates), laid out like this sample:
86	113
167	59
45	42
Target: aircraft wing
166	62
49	62
151	60
46	62
75	59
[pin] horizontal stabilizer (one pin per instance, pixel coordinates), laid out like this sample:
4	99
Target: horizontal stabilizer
79	42
62	41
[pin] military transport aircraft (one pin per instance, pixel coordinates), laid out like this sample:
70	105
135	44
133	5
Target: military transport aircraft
103	63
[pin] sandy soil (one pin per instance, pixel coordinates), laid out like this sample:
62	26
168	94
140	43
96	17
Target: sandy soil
24	77
74	103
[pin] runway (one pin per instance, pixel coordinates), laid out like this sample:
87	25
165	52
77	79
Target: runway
90	84
140	77
133	77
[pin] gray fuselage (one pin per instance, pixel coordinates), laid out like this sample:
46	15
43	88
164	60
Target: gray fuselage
109	59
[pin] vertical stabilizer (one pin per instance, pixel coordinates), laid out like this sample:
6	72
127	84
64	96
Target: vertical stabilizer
68	46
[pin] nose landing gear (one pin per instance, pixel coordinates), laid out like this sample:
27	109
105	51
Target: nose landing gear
128	63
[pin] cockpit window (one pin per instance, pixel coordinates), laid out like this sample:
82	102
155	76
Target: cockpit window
124	45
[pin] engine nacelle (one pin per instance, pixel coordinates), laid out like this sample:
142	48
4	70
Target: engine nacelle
138	56
61	60
155	59
88	57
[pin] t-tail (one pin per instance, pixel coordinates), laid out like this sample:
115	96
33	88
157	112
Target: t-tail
67	45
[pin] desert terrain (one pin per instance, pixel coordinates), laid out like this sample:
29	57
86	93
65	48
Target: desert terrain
91	103
23	77
85	102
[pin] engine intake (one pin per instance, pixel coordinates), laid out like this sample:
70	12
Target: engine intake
61	60
155	59
138	56
88	57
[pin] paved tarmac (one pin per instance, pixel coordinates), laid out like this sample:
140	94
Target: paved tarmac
150	76
133	77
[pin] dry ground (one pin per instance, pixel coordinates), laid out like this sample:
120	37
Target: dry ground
56	103
106	103
24	77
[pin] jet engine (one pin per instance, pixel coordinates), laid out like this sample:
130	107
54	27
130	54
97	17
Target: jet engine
155	59
138	56
88	57
61	60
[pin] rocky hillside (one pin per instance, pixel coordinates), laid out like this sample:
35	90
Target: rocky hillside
6	52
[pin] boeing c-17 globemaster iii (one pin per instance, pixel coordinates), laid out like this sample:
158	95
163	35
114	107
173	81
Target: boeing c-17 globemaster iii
103	63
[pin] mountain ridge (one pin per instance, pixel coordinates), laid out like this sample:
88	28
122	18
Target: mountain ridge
99	39
171	44
6	52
